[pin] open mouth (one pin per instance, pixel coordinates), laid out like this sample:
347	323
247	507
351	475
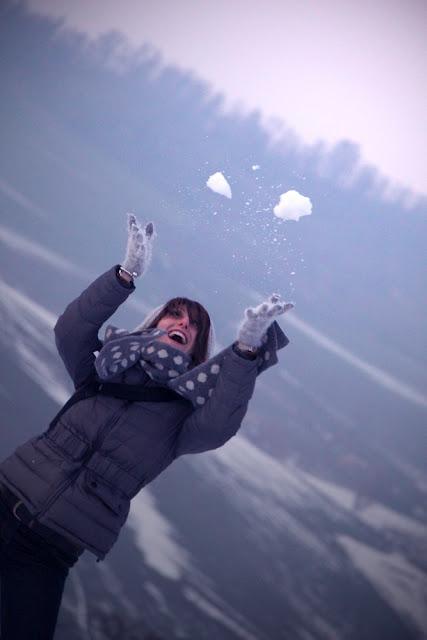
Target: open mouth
178	336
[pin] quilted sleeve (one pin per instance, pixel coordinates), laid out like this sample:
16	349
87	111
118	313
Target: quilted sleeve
76	331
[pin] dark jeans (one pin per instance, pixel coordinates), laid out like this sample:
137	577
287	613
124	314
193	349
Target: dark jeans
33	574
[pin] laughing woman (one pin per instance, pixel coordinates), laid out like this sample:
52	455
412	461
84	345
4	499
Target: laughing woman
143	398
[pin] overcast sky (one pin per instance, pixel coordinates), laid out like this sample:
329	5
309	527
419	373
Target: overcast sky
327	69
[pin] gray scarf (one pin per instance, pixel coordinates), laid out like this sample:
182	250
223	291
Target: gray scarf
124	356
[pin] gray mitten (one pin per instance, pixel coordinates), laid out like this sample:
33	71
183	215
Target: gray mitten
257	320
139	247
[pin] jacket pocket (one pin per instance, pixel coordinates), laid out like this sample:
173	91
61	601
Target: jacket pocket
110	497
67	441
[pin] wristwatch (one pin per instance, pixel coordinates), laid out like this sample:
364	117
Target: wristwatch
127	281
246	351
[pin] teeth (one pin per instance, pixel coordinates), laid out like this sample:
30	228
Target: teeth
181	335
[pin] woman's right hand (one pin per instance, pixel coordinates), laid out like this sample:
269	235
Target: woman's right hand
139	246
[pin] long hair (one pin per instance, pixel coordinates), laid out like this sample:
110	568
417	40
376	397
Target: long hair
198	314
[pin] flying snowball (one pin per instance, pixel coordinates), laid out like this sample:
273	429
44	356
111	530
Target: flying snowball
255	167
219	184
292	206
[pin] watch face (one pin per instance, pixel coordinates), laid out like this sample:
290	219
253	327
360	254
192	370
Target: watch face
246	349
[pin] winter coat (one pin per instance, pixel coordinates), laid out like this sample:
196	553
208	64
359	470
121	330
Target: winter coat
79	477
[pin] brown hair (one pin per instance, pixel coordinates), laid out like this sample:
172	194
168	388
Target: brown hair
198	314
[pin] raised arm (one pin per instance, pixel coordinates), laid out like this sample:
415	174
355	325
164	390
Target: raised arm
76	331
219	419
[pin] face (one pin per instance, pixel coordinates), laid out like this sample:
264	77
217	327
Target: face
178	320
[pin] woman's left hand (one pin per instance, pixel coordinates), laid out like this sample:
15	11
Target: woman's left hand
257	320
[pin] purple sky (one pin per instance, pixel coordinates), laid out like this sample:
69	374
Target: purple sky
326	69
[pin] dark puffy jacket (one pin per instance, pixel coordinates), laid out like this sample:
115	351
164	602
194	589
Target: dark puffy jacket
79	477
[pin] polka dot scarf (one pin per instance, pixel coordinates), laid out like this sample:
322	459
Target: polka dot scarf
124	356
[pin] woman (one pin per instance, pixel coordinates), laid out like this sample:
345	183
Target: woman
143	398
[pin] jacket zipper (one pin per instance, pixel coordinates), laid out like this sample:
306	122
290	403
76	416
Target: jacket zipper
68	481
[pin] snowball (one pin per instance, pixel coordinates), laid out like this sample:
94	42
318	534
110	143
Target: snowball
255	167
219	184
292	206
